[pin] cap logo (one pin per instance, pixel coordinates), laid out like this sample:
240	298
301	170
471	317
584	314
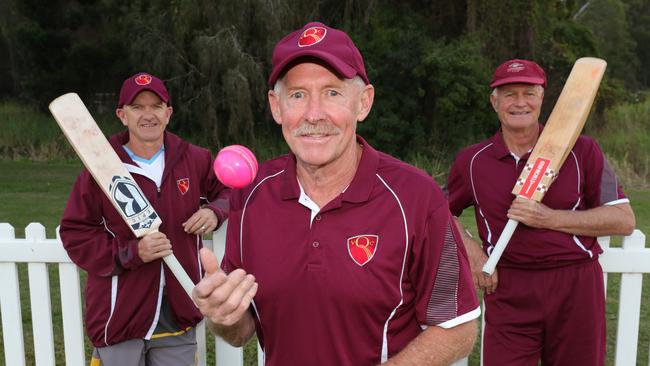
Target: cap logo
311	36
143	79
515	67
362	248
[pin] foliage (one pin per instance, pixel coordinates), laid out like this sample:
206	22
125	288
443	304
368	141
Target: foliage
27	133
211	65
626	141
638	18
396	122
430	60
457	82
607	20
59	45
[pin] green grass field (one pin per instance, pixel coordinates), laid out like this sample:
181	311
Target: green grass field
37	192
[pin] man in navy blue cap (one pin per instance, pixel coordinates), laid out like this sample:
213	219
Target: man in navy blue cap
338	254
546	302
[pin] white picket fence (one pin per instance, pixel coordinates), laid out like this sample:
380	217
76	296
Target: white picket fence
632	260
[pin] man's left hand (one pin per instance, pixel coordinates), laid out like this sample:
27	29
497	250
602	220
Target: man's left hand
203	221
531	213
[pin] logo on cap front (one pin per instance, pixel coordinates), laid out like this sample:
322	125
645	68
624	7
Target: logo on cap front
515	67
311	36
143	79
362	248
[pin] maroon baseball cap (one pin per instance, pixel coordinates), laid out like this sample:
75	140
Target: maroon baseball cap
518	71
140	82
315	39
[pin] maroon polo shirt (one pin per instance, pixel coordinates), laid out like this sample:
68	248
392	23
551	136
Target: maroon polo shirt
483	176
354	285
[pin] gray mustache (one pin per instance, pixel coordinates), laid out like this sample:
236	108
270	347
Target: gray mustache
307	129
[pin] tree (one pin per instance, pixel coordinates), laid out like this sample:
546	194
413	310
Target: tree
638	17
430	60
606	19
8	65
58	47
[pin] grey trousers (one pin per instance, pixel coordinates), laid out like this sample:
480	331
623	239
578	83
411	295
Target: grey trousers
178	350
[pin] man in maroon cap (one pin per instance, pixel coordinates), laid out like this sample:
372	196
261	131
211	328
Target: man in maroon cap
549	303
136	311
338	254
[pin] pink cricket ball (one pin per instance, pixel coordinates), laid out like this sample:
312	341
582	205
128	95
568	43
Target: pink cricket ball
235	166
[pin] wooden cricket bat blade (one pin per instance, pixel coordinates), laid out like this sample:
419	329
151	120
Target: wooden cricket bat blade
554	144
562	129
110	174
104	165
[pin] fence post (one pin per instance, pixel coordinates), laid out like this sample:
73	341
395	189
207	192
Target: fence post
604	243
12	319
39	294
71	313
225	353
201	349
630	306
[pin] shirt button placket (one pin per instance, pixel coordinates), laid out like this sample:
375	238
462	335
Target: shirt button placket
315	243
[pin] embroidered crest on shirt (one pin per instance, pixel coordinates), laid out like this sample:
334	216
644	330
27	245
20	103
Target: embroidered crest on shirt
362	248
183	185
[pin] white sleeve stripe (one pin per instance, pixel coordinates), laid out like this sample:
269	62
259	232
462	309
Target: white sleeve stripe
243	213
617	202
461	319
384	345
478	203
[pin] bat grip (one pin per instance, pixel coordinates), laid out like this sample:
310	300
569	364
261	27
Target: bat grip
500	246
179	273
178	270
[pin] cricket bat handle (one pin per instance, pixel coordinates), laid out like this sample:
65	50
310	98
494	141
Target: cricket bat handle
500	246
179	273
178	270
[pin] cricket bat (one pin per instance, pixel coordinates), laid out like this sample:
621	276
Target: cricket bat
555	143
111	175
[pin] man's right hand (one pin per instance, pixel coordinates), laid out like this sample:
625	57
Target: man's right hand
477	259
153	246
223	298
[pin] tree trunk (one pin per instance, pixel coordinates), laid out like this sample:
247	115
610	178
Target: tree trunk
471	16
527	31
368	11
6	14
347	14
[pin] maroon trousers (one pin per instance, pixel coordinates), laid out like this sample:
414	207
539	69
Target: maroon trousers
554	315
